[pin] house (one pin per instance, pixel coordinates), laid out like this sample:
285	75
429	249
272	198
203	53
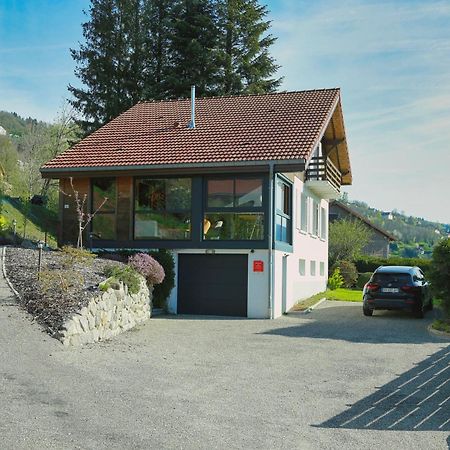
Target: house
379	238
237	187
387	215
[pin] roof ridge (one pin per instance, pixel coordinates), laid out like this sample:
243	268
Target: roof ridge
260	94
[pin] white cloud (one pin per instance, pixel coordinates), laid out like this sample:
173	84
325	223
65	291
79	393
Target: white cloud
391	59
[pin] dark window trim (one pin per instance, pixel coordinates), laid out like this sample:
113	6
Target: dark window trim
282	245
160	177
197	212
263	209
90	205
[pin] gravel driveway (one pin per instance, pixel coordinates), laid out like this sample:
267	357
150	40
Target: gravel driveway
329	379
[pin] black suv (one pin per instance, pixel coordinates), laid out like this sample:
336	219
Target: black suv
397	287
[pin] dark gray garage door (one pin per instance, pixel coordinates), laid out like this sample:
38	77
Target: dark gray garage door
212	284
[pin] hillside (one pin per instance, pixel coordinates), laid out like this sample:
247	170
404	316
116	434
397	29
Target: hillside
416	236
32	221
15	125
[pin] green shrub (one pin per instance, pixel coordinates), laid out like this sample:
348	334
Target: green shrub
335	281
3	224
348	272
441	325
439	274
59	281
371	263
72	256
363	278
162	291
127	275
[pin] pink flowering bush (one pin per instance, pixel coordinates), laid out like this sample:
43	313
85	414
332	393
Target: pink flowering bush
148	267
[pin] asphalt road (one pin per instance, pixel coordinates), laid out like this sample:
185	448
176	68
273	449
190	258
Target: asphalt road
331	379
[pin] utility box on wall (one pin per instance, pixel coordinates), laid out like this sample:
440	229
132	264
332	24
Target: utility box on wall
258	266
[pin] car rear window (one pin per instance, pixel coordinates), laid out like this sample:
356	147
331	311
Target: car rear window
396	279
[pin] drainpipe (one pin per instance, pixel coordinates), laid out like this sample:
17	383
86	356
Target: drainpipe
270	238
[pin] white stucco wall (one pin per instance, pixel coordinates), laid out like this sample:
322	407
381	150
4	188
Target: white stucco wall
306	246
258	282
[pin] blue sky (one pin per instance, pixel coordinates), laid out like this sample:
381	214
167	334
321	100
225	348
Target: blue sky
391	59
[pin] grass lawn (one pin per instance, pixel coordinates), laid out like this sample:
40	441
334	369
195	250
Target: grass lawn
38	220
345	295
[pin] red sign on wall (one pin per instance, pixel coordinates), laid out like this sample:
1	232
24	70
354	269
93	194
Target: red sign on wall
258	266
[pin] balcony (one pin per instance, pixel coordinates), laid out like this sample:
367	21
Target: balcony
323	178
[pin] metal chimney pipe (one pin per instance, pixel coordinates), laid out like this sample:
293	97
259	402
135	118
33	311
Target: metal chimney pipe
192	122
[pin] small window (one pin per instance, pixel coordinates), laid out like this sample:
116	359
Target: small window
302	267
315	230
323	223
283	217
304	213
104	206
322	269
313	268
234	193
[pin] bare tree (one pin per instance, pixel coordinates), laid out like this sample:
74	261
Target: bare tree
84	218
62	134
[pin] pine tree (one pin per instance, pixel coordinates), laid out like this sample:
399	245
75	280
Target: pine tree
193	55
110	63
154	49
244	46
157	29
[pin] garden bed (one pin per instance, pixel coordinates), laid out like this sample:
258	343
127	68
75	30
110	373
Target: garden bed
52	307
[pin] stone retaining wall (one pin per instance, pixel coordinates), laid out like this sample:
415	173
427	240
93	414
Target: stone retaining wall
109	314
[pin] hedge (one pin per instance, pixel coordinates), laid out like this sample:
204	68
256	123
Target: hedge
371	263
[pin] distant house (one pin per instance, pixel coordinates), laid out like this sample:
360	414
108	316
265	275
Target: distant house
3	132
379	243
387	215
237	187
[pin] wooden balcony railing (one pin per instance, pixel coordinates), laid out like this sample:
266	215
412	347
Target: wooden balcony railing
322	169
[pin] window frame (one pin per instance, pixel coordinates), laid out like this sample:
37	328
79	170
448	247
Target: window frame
278	212
100	212
315	218
236	209
304	212
302	262
323	223
322	268
134	209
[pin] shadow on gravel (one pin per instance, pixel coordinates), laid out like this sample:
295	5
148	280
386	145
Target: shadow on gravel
347	323
418	400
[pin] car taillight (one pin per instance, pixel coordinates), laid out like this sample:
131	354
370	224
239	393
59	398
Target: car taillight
411	289
372	286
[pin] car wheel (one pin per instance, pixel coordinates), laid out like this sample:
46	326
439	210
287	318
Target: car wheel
367	312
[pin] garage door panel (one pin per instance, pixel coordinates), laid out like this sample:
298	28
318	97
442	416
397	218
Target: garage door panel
212	284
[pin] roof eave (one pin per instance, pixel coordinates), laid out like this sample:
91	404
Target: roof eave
279	164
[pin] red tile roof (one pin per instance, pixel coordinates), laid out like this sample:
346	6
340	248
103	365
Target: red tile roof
278	126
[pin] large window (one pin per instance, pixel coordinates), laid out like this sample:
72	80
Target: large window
283	215
104	207
162	208
234	209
